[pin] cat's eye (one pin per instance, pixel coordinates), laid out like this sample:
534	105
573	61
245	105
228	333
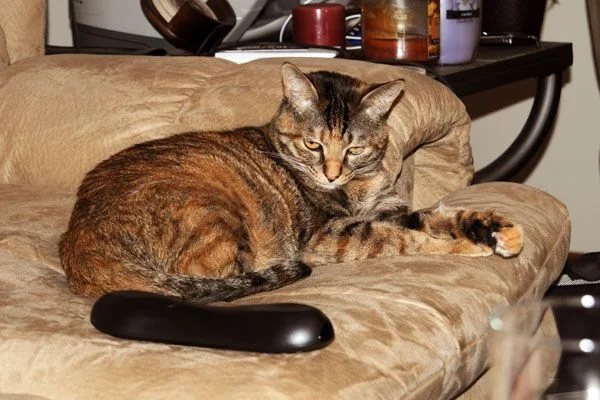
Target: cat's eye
312	145
356	150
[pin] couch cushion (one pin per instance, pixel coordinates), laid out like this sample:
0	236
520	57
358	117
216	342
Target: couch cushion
412	327
24	25
88	107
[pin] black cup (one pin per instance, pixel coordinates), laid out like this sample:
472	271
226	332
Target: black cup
513	17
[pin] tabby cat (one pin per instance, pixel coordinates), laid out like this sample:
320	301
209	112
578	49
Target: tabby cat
214	216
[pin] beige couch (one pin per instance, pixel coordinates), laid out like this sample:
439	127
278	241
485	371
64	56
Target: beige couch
413	327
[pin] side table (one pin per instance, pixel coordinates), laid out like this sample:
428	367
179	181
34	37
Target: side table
499	65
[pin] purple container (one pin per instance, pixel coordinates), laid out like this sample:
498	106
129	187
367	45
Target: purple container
460	29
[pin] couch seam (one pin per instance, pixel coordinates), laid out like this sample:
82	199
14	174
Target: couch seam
194	90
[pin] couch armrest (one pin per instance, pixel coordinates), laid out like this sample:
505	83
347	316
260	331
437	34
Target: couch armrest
24	25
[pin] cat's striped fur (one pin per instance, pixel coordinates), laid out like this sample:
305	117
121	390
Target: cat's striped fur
218	215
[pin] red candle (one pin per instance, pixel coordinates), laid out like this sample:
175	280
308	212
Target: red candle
319	24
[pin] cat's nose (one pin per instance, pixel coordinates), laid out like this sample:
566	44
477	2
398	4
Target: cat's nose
333	170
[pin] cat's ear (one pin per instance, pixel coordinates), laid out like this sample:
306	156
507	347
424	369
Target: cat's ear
298	89
378	102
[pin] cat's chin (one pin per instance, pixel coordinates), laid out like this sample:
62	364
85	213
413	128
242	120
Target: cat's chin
330	185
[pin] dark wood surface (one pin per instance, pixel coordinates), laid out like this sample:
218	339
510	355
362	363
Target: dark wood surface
495	65
499	65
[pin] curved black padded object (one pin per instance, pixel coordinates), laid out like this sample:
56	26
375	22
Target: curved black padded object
267	328
537	127
586	266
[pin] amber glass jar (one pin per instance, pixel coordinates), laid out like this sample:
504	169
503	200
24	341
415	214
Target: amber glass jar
401	30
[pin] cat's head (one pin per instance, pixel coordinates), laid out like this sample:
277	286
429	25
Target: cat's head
331	128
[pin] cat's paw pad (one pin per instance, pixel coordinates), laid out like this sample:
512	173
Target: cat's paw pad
509	240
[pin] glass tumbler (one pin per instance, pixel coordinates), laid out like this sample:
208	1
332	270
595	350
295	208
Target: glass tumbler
401	30
562	363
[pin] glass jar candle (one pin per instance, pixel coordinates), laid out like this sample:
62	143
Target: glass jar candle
401	30
460	30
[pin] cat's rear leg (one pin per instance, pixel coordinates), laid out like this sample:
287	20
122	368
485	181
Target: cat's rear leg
213	253
222	248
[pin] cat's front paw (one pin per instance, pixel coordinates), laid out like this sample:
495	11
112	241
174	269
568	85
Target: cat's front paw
489	228
509	241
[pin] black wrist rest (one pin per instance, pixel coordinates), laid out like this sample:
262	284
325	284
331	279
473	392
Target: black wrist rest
268	328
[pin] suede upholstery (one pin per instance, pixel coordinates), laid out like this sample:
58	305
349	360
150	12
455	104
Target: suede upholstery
407	327
24	26
4	60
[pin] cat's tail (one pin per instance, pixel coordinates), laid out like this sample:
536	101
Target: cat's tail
208	290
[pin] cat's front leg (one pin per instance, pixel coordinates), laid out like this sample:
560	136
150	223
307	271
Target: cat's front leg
440	231
483	228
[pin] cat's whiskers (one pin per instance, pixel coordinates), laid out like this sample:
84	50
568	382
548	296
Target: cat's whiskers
277	155
306	169
285	158
292	162
365	170
270	153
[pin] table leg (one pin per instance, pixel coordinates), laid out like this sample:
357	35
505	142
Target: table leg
536	129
